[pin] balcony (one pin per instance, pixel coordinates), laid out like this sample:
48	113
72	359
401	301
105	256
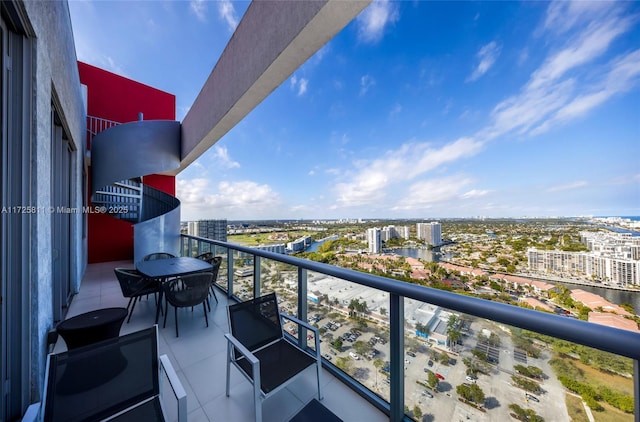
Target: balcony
381	371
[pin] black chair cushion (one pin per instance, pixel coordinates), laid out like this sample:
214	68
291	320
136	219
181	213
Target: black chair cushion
256	322
278	363
96	381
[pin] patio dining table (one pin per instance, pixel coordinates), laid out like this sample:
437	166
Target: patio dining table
161	269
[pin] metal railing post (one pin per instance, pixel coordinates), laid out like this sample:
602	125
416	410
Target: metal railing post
636	390
229	272
302	305
396	350
256	276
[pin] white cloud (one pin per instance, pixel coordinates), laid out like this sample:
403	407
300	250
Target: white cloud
426	193
474	193
234	200
302	86
555	94
487	55
299	85
396	109
228	13
568	186
369	184
199	8
366	82
311	173
564	15
623	75
373	20
221	154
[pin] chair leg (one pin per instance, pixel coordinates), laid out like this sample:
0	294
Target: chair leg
213	290
175	308
165	315
135	299
158	303
206	318
128	310
229	354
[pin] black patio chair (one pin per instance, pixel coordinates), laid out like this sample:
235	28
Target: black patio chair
259	349
205	256
158	255
215	262
135	285
187	291
116	379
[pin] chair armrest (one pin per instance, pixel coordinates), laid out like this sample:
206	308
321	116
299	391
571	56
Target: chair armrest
300	322
316	336
243	350
176	386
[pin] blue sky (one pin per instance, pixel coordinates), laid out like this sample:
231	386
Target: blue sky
416	109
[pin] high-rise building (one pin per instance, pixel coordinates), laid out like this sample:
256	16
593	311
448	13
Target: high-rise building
430	232
374	240
192	228
213	229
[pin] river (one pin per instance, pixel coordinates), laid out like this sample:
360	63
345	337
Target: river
315	245
426	254
612	295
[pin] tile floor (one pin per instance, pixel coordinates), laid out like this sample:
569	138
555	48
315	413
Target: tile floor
199	358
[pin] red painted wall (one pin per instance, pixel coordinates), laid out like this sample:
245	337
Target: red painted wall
113	97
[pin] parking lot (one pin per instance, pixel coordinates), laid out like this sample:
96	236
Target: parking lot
442	403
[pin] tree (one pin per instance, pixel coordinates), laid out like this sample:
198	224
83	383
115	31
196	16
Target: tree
417	412
432	380
383	311
337	344
344	363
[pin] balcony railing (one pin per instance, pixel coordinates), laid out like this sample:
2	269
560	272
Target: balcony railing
248	272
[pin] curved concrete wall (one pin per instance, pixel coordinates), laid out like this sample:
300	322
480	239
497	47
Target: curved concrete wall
134	149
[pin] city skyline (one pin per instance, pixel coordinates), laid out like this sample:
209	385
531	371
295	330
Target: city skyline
497	109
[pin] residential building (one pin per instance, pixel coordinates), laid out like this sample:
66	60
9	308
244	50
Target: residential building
431	233
213	229
374	240
591	266
192	228
300	244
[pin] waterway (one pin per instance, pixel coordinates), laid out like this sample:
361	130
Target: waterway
612	295
420	253
315	245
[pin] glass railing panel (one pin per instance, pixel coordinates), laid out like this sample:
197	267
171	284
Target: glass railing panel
353	323
459	367
243	275
222	279
283	279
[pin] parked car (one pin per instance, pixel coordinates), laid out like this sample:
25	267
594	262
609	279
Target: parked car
440	377
413	355
427	393
471	378
532	397
430	363
354	356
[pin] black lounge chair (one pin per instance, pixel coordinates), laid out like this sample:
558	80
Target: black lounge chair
187	291
158	255
135	285
259	349
116	379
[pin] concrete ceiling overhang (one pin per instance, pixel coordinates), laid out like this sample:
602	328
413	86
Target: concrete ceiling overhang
273	39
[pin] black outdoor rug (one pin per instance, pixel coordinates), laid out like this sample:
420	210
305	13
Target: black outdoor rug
314	411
